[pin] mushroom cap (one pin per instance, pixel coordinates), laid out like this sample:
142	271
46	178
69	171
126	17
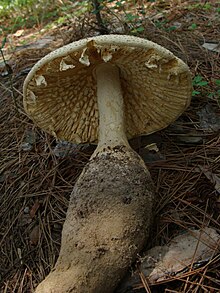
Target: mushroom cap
60	90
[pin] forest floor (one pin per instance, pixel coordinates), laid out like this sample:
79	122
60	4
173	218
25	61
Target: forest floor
37	176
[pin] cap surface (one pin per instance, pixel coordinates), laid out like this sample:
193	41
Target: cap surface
60	90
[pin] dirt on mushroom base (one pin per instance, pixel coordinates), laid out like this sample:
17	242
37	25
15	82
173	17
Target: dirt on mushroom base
187	198
107	224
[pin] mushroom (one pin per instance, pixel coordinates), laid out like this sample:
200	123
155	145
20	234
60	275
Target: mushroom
105	90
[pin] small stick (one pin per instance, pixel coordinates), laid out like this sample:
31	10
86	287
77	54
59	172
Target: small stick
102	28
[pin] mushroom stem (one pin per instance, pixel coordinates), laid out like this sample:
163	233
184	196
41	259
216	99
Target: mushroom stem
111	107
110	209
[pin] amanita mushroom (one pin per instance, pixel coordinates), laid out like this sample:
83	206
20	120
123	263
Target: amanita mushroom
105	90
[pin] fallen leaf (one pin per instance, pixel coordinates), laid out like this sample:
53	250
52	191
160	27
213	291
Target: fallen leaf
185	252
34	209
34	235
215	47
19	33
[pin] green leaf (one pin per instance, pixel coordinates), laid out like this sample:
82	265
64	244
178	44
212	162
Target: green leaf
130	17
95	11
3	42
207	6
171	28
194	93
198	81
197	78
202	83
118	3
217	82
140	29
193	26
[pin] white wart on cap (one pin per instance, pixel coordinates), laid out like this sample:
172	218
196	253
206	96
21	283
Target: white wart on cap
60	92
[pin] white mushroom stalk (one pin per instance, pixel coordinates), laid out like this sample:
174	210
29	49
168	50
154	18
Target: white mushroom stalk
111	108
